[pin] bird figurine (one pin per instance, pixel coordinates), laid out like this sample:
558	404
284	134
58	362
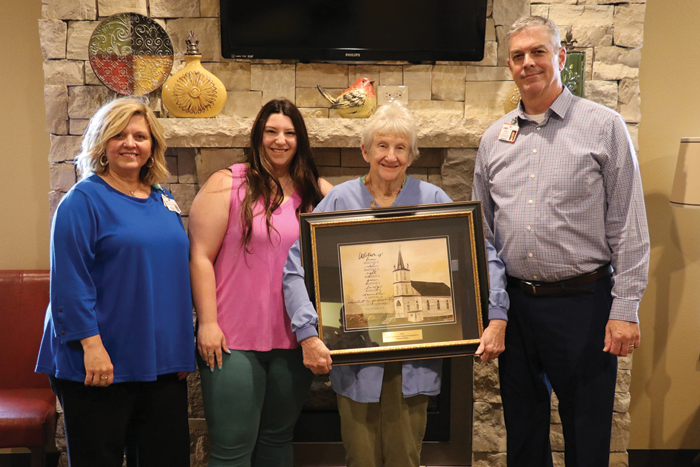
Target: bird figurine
357	101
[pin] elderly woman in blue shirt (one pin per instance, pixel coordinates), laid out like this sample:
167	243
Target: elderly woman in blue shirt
383	406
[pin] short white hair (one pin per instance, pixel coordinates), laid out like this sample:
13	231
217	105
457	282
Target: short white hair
527	22
392	120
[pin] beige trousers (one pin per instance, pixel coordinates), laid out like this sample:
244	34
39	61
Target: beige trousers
388	433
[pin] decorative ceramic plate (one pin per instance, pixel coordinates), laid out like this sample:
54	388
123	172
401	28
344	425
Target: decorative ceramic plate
130	54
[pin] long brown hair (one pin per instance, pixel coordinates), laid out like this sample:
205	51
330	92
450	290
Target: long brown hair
260	175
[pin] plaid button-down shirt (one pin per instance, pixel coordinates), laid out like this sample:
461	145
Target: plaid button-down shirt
566	198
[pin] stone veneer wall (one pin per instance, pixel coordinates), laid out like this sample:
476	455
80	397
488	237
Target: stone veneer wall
455	103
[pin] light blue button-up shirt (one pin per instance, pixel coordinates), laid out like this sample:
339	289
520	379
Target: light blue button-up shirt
363	383
566	198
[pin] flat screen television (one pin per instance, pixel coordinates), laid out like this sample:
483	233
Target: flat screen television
357	31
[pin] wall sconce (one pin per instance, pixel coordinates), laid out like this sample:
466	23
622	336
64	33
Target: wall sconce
686	185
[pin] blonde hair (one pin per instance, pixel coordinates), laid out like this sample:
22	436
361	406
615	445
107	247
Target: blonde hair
392	120
108	122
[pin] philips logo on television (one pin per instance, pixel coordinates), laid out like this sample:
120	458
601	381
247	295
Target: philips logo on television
355	54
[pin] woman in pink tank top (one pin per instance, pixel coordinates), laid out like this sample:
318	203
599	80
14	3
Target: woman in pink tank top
242	224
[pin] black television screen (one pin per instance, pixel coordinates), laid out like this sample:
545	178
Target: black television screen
360	31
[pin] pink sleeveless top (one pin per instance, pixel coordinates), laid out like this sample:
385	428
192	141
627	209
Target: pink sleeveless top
250	304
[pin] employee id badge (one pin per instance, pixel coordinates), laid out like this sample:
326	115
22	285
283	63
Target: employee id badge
509	132
170	203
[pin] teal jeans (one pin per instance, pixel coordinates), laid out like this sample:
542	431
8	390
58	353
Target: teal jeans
251	406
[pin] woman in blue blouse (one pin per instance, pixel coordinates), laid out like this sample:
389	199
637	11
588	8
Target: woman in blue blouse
382	406
118	334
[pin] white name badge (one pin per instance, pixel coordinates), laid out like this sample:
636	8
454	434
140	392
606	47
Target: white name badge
170	203
509	132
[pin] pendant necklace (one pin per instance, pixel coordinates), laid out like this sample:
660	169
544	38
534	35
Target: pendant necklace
121	187
286	184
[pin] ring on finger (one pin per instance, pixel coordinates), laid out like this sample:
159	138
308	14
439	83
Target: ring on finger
210	353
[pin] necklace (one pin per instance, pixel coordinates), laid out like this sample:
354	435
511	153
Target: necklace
121	187
286	184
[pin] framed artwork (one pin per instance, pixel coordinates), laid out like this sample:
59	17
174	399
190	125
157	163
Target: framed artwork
397	283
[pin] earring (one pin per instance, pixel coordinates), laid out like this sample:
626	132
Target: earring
104	161
150	162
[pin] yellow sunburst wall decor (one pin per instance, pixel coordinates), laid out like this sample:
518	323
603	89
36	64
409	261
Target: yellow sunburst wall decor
194	91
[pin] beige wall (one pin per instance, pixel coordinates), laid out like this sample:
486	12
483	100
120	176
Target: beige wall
666	378
24	143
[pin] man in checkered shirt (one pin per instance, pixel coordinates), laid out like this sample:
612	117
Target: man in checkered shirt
564	208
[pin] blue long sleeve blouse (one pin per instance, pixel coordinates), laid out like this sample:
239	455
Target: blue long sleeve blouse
119	268
363	383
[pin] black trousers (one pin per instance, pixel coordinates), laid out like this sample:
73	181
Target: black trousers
145	420
557	343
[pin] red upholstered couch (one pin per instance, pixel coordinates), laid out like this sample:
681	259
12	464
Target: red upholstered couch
27	404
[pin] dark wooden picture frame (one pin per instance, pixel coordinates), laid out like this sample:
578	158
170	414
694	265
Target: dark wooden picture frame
398	333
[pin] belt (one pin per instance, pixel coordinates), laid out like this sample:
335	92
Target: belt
561	288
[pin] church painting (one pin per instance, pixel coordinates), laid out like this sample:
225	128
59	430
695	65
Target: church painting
398	283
